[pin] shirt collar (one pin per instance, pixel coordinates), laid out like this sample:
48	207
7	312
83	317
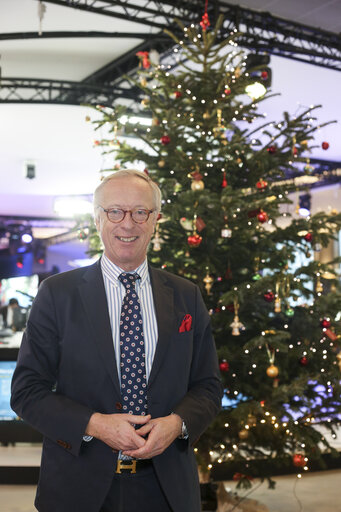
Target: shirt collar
112	271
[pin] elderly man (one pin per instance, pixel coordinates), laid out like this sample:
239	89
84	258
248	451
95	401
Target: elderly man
118	370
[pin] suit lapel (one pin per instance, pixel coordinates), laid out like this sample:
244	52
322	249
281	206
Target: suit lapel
94	301
164	308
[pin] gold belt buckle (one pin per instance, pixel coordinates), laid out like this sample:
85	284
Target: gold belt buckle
122	464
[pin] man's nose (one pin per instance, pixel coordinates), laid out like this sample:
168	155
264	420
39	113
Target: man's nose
127	222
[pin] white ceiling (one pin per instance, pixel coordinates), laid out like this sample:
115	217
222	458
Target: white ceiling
58	139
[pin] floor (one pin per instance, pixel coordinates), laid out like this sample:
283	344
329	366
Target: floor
316	492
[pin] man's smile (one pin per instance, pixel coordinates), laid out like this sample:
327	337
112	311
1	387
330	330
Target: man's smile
127	238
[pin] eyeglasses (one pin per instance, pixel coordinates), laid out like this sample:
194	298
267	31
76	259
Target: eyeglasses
138	215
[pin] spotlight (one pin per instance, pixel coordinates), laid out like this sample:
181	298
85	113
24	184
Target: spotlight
258	69
26	238
304	202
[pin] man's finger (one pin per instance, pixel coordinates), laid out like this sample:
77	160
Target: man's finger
145	429
138	420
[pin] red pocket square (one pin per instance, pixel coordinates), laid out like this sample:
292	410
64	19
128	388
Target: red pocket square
186	324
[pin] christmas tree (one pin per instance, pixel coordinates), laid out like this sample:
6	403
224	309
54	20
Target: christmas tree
227	225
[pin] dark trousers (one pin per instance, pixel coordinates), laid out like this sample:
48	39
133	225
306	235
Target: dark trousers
136	493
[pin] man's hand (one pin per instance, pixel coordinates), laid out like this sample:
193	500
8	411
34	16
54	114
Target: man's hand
161	433
117	430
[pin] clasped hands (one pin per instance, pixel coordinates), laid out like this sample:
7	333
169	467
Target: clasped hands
149	440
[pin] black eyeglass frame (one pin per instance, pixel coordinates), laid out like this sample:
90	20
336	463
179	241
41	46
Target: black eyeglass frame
107	211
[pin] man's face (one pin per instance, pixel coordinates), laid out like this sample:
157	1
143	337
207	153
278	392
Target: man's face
126	242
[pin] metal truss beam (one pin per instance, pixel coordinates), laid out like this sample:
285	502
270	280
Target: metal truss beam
260	30
27	90
79	34
152	13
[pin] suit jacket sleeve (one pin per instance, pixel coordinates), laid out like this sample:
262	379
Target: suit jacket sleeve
202	401
33	396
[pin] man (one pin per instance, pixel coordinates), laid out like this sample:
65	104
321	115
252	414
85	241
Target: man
13	316
77	373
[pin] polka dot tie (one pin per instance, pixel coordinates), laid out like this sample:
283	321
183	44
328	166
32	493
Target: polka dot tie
133	365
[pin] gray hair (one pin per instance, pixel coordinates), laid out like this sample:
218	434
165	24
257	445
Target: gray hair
129	173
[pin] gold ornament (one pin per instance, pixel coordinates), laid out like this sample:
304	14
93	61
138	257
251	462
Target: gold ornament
236	324
161	163
208	280
87	118
272	371
145	102
277	299
243	434
143	82
206	115
197	185
319	285
157	240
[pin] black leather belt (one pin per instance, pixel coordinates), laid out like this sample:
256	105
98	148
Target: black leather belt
132	466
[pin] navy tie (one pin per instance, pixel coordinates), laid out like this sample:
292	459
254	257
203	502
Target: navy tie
133	364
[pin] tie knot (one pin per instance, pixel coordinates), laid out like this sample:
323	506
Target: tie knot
128	279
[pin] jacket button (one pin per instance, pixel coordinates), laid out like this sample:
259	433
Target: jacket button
118	406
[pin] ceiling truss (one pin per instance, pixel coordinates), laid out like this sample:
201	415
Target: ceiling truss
260	31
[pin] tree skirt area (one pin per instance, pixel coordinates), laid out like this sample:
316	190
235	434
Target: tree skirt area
314	492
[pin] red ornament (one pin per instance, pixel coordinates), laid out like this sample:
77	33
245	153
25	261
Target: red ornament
194	240
298	460
165	140
308	237
331	335
200	224
261	184
96	142
230	307
224	366
227	91
205	22
325	145
178	94
224	182
239	476
144	59
272	149
303	361
325	323
262	216
269	296
294	151
264	75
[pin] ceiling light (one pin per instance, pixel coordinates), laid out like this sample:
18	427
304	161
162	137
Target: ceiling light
72	206
255	90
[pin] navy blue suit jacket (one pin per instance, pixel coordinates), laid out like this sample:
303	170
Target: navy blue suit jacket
66	371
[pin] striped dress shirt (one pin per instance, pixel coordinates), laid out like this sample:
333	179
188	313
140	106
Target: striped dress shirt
115	293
